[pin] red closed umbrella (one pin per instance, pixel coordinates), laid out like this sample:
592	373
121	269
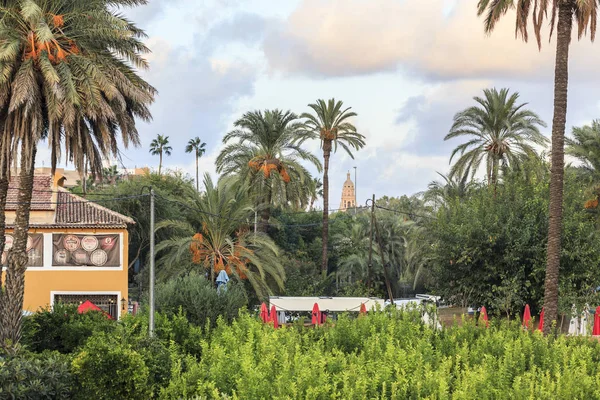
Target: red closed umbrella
363	309
484	316
264	313
273	317
316	315
541	324
526	316
596	330
89	306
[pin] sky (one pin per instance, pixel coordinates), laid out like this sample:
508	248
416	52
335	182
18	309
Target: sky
404	66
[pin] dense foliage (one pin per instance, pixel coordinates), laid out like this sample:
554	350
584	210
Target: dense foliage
389	355
44	376
63	329
386	354
490	248
194	296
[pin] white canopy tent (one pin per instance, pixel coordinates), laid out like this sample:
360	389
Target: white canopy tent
328	304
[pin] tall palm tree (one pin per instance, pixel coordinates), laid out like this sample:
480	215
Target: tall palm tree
158	147
263	151
563	13
501	133
68	76
199	148
585	146
218	237
5	161
330	124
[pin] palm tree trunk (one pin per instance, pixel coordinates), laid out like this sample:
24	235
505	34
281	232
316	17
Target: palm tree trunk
159	162
4	180
561	79
84	178
10	327
326	156
265	214
197	179
212	274
495	176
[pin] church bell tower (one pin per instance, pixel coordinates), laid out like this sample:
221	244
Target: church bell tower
348	197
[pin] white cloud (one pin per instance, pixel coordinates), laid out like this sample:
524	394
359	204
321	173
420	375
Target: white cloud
353	37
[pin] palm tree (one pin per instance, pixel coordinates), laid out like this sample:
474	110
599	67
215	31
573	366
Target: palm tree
160	146
330	125
415	254
198	147
316	191
451	187
585	146
563	13
354	266
218	238
111	175
69	76
501	132
263	151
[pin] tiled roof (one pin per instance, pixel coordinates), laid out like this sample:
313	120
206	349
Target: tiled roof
41	198
74	210
71	210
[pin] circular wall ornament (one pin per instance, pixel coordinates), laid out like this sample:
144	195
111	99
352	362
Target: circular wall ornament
89	243
61	257
99	257
71	242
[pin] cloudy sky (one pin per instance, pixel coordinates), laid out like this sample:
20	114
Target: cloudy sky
405	66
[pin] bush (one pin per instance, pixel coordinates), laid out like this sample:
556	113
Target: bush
198	300
29	376
388	354
106	368
62	329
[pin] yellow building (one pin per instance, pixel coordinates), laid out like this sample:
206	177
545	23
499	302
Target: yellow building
348	197
77	249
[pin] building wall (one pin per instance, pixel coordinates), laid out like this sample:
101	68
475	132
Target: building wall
35	217
43	283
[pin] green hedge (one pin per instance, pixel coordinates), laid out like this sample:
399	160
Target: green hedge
386	354
389	355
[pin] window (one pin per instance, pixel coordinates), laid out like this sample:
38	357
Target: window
109	303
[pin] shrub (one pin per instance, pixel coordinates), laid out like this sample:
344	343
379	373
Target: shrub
388	354
62	329
199	300
30	376
106	368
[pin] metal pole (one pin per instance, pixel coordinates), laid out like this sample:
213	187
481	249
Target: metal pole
370	264
151	319
255	221
355	190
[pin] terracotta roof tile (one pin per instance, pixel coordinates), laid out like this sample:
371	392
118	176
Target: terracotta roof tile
75	210
41	198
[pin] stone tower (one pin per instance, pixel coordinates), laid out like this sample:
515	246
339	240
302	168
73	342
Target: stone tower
348	198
